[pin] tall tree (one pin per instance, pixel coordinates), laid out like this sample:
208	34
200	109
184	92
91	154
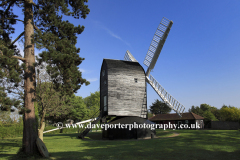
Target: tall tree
230	113
197	110
79	110
46	97
43	28
216	112
92	103
205	107
60	109
208	112
159	107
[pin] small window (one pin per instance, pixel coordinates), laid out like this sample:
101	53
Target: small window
105	103
103	73
186	121
135	79
105	82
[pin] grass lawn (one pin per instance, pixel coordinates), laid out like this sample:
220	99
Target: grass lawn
188	145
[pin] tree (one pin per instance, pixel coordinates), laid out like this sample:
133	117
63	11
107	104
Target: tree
202	109
46	97
230	113
159	107
43	28
92	103
5	117
216	112
205	107
75	108
60	109
196	110
79	111
209	116
6	102
206	111
8	67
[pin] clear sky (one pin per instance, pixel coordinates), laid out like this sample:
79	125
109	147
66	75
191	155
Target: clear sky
200	61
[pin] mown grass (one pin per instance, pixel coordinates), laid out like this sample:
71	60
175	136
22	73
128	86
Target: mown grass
188	145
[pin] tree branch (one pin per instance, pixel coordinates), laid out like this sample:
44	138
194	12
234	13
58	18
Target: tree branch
3	3
36	28
11	3
13	19
20	58
16	39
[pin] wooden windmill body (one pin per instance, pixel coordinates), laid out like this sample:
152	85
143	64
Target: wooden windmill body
123	90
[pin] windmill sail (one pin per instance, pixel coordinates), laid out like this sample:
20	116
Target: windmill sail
150	60
157	43
165	96
129	57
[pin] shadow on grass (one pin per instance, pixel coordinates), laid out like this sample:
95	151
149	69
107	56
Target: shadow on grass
59	136
7	145
188	145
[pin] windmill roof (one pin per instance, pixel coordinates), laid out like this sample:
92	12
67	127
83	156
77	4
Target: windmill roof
175	116
120	64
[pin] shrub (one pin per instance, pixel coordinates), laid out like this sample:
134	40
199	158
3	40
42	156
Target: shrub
11	130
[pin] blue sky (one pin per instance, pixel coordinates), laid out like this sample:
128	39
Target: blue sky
199	63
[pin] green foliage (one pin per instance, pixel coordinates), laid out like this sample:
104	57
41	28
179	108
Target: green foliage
59	38
5	117
10	70
209	116
10	130
206	111
196	110
230	113
226	113
216	112
92	103
79	111
73	107
60	110
205	107
6	102
159	107
56	36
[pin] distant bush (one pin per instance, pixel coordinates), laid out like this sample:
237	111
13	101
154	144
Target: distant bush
11	130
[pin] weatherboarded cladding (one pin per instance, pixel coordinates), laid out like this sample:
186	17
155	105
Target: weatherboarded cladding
103	86
125	97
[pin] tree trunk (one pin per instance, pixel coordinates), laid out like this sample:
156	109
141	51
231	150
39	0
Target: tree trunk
40	131
30	125
42	125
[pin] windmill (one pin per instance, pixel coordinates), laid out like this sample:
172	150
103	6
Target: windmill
150	60
123	93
